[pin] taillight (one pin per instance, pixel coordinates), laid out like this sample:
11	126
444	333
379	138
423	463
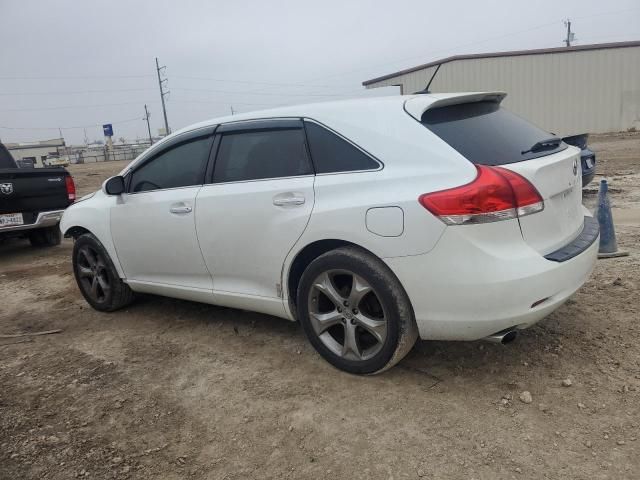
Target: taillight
71	188
495	194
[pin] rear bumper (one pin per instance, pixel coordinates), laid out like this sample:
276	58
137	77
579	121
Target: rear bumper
479	281
44	219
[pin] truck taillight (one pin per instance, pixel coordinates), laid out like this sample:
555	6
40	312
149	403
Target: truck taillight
495	194
71	188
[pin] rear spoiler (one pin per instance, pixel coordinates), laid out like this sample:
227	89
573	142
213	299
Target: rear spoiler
416	106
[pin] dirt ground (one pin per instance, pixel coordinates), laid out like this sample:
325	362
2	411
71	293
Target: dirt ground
171	389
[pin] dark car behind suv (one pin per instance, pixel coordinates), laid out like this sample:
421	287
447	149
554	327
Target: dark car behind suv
587	156
32	201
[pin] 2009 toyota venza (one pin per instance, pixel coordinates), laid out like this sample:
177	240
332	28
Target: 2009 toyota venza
370	221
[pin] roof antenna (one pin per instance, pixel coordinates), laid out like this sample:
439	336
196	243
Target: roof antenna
426	89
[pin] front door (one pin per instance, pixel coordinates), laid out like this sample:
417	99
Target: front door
153	224
255	209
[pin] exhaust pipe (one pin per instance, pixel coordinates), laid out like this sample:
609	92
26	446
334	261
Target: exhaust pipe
503	337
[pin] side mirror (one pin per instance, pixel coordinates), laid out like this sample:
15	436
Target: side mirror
114	186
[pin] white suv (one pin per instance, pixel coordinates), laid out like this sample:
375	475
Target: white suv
371	222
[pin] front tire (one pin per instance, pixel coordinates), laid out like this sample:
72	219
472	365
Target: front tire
355	312
97	277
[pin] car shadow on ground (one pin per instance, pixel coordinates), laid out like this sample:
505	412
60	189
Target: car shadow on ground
430	364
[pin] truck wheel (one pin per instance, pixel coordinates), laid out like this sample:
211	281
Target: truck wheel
97	278
46	237
355	312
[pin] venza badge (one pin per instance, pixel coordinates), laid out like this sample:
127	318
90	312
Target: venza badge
6	188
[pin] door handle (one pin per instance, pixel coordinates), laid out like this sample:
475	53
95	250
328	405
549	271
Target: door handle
180	208
288	199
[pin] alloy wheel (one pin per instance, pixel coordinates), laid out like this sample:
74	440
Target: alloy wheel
347	315
92	273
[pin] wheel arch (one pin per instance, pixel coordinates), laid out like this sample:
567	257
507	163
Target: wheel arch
304	257
103	235
75	231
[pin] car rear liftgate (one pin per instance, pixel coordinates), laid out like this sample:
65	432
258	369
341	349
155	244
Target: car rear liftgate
488	135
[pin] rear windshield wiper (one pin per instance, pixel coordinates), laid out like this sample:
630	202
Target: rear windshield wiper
547	144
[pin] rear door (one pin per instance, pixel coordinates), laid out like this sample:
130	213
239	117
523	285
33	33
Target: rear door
256	206
487	134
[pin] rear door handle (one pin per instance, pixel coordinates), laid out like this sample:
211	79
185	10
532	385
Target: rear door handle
288	199
180	208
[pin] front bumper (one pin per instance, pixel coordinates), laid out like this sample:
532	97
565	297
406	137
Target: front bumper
485	279
44	219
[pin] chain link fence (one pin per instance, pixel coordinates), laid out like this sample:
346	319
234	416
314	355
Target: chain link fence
103	154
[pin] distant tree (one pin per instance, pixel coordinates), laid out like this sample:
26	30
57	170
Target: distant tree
122	140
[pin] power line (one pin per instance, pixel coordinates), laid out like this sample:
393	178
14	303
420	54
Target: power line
71	107
226	103
70	77
68	128
615	12
73	92
238	92
488	39
253	82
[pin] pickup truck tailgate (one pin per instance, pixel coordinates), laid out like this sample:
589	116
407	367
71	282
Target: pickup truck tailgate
33	190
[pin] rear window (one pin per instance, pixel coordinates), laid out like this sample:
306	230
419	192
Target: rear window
486	134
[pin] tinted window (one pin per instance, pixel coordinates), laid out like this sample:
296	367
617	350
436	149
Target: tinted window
330	153
486	134
6	160
181	166
261	154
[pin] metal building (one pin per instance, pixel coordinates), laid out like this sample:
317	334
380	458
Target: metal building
36	152
568	90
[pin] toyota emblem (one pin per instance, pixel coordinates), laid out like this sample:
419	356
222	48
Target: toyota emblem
575	167
6	188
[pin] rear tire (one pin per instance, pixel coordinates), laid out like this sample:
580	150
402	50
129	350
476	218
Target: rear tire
45	237
355	312
97	277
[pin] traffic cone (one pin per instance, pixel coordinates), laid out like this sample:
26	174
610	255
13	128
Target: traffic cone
608	245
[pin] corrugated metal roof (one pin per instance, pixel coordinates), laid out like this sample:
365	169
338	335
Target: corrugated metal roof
514	53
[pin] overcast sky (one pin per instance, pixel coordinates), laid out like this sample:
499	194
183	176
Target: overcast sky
84	63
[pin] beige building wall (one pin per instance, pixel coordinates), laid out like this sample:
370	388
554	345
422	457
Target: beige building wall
591	91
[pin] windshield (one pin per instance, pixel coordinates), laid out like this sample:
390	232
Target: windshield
489	135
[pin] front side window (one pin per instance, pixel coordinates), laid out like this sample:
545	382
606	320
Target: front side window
255	155
182	165
332	154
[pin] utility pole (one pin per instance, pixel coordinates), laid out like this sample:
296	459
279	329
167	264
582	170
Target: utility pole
146	117
163	93
570	34
232	112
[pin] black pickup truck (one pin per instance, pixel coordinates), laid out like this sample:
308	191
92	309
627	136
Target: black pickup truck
32	201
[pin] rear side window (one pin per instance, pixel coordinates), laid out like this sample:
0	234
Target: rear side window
486	134
182	165
255	155
330	153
